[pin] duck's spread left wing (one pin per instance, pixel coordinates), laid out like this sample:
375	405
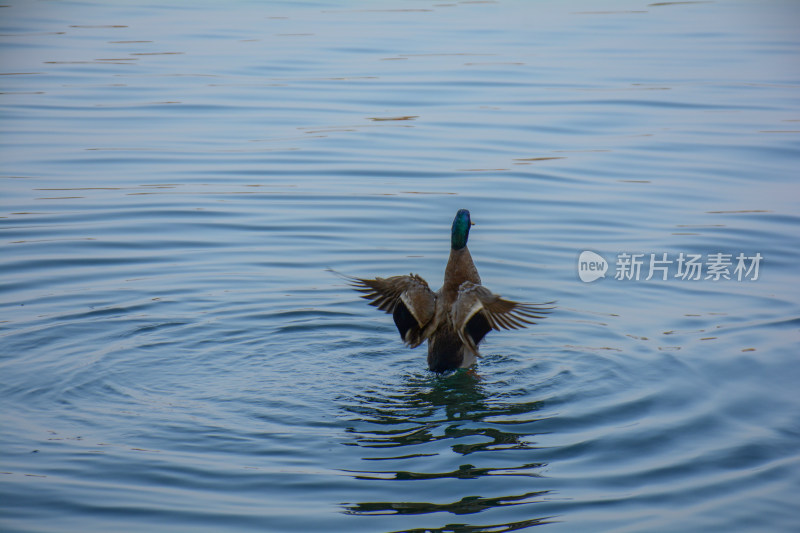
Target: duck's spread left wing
477	311
408	298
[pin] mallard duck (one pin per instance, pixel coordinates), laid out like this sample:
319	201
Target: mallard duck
456	318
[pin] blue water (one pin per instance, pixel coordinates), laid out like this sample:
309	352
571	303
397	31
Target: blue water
177	177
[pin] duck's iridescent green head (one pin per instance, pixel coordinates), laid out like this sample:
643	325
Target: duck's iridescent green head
460	234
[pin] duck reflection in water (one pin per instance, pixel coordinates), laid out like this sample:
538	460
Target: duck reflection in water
408	427
456	318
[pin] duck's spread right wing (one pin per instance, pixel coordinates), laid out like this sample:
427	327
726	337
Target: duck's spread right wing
408	298
477	311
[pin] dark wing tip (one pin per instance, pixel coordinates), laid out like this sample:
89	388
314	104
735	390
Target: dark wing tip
350	279
360	284
540	308
529	313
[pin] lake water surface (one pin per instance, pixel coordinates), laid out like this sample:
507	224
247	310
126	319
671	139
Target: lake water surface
175	179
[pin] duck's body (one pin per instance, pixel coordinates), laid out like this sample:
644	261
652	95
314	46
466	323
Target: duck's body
445	349
454	319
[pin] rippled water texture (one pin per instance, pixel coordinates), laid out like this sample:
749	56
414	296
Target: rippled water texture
177	177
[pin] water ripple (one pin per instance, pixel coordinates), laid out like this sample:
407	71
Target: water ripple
177	179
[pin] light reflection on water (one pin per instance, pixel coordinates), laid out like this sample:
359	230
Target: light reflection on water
176	180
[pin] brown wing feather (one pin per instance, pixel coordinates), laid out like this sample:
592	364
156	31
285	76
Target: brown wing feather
408	298
497	312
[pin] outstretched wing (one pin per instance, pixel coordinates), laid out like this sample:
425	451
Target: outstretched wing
477	311
408	298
